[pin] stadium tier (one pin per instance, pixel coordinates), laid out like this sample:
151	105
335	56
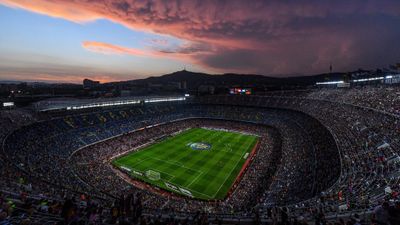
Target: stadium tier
310	154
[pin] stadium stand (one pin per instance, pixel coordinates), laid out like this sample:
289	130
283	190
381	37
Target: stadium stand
325	156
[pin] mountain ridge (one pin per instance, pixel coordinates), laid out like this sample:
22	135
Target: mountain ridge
195	79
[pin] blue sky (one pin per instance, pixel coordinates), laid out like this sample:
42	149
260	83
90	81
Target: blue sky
39	43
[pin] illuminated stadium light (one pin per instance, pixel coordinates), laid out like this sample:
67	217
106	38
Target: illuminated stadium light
104	104
330	82
356	80
368	79
8	104
164	99
75	104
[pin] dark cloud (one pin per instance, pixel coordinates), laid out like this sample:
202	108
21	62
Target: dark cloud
269	37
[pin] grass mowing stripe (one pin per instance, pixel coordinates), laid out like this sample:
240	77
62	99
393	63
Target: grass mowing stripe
155	147
200	161
227	164
182	177
155	150
207	174
215	163
232	175
220	163
172	167
182	153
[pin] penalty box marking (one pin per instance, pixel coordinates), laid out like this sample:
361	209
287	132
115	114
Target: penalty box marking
196	178
197	171
186	187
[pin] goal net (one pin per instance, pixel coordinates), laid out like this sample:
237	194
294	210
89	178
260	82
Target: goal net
153	175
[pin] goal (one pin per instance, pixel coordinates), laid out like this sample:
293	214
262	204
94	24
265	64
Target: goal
153	175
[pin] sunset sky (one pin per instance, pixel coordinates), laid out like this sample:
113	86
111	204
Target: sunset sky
109	40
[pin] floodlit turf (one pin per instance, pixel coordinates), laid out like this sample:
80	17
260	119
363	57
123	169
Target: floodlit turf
172	164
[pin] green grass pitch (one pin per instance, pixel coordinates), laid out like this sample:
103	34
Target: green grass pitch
172	164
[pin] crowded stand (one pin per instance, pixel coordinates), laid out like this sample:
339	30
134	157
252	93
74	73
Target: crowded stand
325	155
94	161
383	98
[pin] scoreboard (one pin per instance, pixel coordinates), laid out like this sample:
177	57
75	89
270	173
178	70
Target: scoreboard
240	91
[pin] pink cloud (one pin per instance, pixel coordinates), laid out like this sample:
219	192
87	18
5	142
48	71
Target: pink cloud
158	42
59	9
278	37
105	48
188	52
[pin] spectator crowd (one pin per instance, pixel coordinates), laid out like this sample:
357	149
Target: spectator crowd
322	153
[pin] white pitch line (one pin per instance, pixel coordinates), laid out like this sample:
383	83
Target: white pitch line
176	164
138	162
194	191
231	152
199	193
201	172
233	168
172	176
170	162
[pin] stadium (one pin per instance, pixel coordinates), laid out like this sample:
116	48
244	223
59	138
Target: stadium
205	112
225	158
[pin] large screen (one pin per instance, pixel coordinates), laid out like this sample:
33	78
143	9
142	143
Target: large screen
240	91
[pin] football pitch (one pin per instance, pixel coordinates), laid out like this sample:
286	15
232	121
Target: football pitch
199	163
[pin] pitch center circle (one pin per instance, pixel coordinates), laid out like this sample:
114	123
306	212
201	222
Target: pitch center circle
200	146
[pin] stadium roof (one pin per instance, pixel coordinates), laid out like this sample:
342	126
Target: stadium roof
76	104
